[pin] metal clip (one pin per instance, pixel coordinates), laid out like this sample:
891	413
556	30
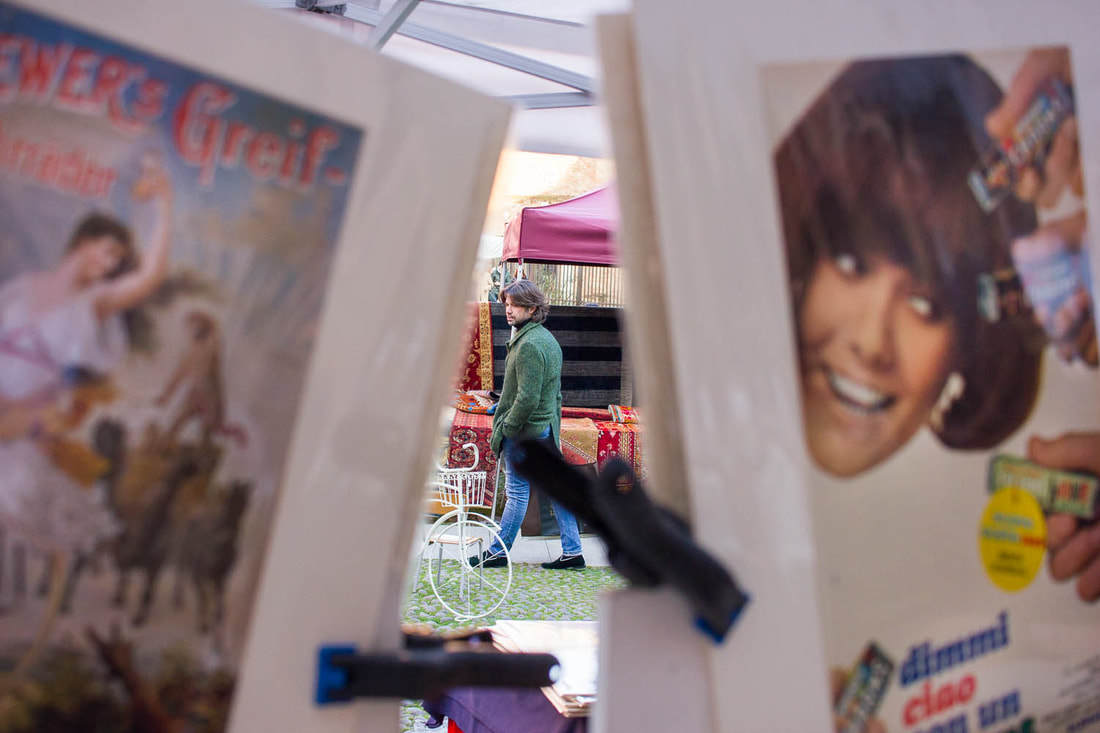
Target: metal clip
320	6
647	544
424	672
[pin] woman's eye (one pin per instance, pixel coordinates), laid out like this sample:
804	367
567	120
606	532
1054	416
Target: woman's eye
924	307
847	263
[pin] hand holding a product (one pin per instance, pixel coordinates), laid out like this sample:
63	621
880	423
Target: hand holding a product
1054	273
1074	545
1062	166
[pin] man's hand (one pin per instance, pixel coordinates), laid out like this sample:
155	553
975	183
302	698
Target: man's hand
837	679
1063	165
1074	545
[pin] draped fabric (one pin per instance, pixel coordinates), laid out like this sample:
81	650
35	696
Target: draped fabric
477	362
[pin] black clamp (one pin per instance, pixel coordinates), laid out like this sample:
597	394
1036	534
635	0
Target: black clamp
427	667
316	6
647	544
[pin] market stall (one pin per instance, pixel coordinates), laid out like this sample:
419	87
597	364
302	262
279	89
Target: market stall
579	231
599	421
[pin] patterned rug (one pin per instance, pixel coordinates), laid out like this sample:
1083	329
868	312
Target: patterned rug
623	440
477	364
579	438
595	413
471	427
584	442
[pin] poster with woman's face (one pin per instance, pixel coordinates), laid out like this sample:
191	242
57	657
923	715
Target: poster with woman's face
926	279
166	238
936	240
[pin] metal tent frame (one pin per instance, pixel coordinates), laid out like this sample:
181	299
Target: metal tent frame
513	49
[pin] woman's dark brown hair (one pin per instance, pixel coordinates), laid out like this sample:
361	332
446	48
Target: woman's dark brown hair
138	323
878	167
96	225
526	294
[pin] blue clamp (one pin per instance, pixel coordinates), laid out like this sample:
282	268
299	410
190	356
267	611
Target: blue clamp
331	679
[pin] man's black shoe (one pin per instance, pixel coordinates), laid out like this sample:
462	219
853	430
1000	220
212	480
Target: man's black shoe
566	562
490	560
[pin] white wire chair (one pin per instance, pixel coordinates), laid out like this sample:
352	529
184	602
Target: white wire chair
465	590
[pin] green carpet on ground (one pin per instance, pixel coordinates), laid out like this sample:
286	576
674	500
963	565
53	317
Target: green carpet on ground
536	594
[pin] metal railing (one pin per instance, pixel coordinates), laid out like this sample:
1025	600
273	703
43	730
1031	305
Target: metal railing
577	284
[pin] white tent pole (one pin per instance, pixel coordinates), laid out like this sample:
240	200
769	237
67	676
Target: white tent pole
393	19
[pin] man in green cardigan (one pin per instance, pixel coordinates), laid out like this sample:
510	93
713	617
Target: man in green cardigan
529	407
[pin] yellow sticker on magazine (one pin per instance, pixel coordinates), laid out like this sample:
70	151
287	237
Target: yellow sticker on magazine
1012	539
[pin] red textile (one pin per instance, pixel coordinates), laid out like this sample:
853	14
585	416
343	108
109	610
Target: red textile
594	413
622	413
470	427
477	362
623	440
614	439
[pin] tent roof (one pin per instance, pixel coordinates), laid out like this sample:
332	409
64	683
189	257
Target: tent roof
577	231
539	55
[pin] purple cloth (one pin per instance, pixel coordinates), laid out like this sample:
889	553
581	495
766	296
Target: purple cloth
503	710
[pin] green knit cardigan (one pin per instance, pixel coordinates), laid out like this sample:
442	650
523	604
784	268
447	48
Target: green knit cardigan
530	400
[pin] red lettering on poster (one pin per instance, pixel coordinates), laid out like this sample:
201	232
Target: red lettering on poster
80	80
206	140
71	171
264	154
75	90
149	104
928	703
321	141
235	139
40	68
198	131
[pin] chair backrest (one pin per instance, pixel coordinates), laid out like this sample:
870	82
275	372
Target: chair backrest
447	491
474	489
462	488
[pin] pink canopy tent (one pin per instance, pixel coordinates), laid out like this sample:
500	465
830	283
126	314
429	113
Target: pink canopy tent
578	231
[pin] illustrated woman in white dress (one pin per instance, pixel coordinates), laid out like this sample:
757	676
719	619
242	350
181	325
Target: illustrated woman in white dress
78	317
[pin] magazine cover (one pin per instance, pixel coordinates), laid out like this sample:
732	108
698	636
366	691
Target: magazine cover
165	246
937	242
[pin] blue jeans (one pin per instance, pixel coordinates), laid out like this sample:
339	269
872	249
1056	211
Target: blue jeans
518	491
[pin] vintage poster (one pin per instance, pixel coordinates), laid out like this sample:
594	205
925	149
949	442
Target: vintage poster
166	239
874	224
936	239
